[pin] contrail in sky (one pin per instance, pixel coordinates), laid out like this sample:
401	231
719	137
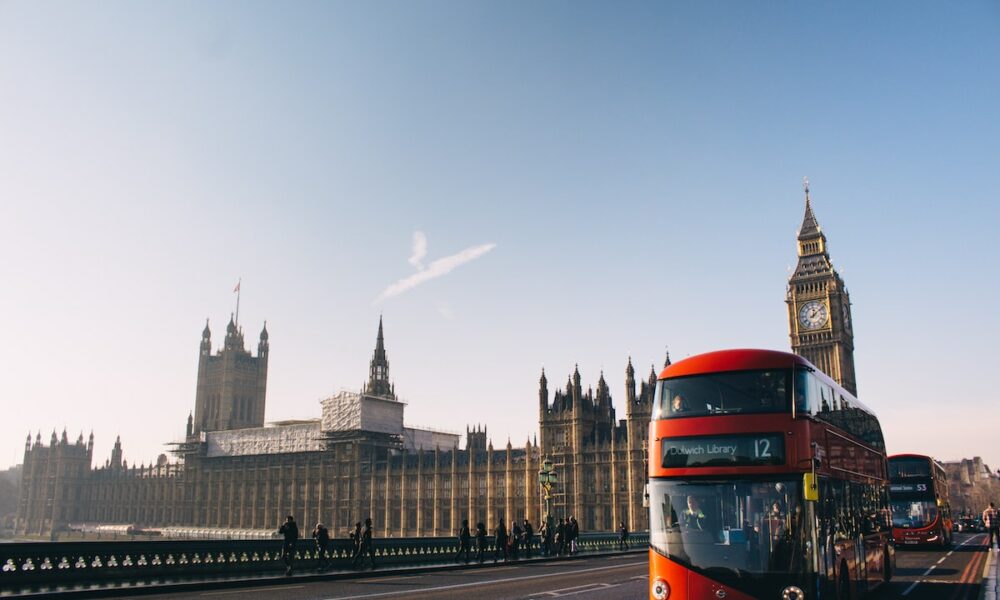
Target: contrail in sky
437	268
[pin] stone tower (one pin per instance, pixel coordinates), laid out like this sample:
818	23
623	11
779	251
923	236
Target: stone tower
231	384
819	306
53	484
378	371
638	412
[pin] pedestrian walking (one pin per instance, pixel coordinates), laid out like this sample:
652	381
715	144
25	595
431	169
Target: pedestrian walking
545	538
500	548
290	532
464	541
622	536
991	519
355	542
529	538
560	540
366	547
322	536
574	533
480	541
515	539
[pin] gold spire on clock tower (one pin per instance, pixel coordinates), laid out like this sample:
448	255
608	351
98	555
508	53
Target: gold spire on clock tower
819	306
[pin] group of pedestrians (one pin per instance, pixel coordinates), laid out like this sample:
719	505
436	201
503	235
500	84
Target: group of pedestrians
508	544
361	542
560	539
555	540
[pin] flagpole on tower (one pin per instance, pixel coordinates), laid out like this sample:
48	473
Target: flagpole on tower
237	290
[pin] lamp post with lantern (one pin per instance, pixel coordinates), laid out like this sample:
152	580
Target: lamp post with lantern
547	478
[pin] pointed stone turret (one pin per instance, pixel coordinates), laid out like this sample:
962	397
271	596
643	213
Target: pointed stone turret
812	240
543	393
378	370
629	387
810	226
116	454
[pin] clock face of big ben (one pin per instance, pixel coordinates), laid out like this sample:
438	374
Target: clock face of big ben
813	315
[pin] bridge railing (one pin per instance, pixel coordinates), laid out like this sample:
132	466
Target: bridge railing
96	562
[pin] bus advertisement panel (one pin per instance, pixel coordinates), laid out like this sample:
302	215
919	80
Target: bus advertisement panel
766	480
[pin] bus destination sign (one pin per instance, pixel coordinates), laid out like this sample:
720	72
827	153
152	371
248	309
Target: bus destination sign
723	451
919	487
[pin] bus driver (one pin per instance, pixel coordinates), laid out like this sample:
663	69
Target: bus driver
693	517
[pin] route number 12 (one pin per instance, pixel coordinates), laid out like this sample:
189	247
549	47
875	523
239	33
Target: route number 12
762	448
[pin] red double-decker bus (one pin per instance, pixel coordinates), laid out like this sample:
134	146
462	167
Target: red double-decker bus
766	480
918	489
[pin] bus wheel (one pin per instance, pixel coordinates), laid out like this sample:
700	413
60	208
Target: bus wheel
844	585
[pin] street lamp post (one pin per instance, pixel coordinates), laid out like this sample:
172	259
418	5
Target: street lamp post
547	478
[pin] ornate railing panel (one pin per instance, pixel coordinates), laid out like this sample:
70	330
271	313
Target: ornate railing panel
24	565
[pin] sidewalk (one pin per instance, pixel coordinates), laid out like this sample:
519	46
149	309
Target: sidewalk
990	591
302	575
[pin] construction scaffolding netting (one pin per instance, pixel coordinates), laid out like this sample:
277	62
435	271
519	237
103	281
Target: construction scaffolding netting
350	411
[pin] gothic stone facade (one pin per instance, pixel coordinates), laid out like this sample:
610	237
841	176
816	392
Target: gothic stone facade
337	476
319	472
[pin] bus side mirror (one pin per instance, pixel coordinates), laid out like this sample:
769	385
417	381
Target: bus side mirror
810	491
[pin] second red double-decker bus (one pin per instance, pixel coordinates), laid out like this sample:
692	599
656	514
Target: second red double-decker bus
767	481
918	488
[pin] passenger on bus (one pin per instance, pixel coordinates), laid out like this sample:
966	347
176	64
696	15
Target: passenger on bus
775	523
678	404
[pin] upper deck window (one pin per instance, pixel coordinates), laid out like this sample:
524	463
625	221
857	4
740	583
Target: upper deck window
723	393
909	467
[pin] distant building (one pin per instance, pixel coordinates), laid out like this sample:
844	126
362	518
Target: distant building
233	472
972	485
357	460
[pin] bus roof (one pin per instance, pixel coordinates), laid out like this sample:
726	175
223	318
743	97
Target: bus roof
911	456
746	359
733	360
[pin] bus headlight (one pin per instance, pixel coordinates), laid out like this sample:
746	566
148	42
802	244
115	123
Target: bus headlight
660	589
792	593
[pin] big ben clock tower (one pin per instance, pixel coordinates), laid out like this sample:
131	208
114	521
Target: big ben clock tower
819	307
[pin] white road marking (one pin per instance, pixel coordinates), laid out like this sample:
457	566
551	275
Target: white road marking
918	581
927	572
941	560
576	589
260	589
480	583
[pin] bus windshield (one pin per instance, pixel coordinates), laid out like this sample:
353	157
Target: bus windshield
907	514
730	530
723	393
900	468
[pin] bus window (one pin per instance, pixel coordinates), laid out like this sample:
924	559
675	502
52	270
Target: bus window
805	393
724	393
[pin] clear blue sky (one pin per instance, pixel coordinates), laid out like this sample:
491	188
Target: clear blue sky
638	167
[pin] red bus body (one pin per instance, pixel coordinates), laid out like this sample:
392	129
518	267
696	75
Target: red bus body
728	476
921	511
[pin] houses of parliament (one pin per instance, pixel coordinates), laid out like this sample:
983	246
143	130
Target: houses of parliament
234	472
